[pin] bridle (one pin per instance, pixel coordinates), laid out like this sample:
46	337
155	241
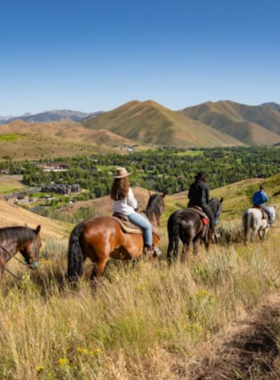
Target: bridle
34	262
32	265
217	215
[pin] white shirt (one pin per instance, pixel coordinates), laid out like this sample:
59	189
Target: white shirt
127	205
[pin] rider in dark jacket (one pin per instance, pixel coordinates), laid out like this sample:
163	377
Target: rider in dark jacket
199	196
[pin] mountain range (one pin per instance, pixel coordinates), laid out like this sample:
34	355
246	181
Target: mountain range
249	124
150	123
48	116
211	124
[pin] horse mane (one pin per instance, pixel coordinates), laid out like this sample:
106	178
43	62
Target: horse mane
154	206
20	234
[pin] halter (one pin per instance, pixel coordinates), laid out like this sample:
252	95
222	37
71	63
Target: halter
35	262
216	218
32	265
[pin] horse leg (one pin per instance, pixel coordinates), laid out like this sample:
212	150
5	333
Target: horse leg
253	234
262	235
195	248
185	250
98	270
206	244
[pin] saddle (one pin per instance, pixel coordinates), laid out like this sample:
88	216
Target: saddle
264	213
127	226
201	213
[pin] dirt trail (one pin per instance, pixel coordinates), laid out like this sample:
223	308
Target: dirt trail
250	350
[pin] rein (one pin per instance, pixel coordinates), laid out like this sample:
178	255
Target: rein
32	266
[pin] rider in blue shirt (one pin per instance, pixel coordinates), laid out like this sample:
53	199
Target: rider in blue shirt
259	199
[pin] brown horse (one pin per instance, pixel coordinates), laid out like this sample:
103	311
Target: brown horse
19	239
101	237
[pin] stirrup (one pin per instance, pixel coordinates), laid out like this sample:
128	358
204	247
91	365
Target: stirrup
157	252
148	251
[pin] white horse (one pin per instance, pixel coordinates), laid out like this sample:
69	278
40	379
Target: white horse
252	220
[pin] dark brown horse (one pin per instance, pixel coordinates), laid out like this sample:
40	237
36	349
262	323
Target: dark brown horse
101	237
19	239
186	224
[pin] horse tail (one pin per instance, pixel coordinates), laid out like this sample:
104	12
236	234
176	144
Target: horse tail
246	221
75	254
173	237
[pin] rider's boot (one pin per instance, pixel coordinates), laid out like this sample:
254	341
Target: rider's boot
152	250
148	250
157	251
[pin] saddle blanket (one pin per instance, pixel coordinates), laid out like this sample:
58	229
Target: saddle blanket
264	213
201	213
129	227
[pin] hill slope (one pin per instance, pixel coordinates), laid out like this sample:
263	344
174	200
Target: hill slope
20	139
249	124
12	215
151	123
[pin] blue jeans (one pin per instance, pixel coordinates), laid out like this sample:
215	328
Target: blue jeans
268	212
143	223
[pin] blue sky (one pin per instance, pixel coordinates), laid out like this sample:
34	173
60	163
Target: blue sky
90	55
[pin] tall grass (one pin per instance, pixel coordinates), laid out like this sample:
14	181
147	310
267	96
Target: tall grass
145	321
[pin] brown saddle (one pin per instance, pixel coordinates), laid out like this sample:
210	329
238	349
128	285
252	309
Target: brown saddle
201	213
126	225
264	213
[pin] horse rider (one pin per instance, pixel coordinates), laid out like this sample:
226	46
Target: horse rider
199	196
259	199
124	203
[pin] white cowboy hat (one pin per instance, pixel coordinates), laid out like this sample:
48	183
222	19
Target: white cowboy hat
121	173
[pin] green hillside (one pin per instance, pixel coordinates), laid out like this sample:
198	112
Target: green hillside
250	124
151	123
237	196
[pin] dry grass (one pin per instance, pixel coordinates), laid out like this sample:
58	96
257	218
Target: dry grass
148	321
12	215
20	140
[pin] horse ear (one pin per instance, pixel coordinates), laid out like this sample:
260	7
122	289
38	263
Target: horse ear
25	225
164	194
150	194
38	229
221	201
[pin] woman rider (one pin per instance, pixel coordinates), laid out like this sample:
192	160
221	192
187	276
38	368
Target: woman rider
124	202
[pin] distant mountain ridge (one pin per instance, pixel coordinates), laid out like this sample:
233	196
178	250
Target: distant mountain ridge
211	124
272	105
150	123
250	124
48	116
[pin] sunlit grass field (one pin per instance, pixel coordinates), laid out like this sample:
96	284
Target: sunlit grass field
143	321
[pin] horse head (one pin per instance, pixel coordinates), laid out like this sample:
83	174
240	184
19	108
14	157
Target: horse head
272	209
155	208
216	207
31	248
